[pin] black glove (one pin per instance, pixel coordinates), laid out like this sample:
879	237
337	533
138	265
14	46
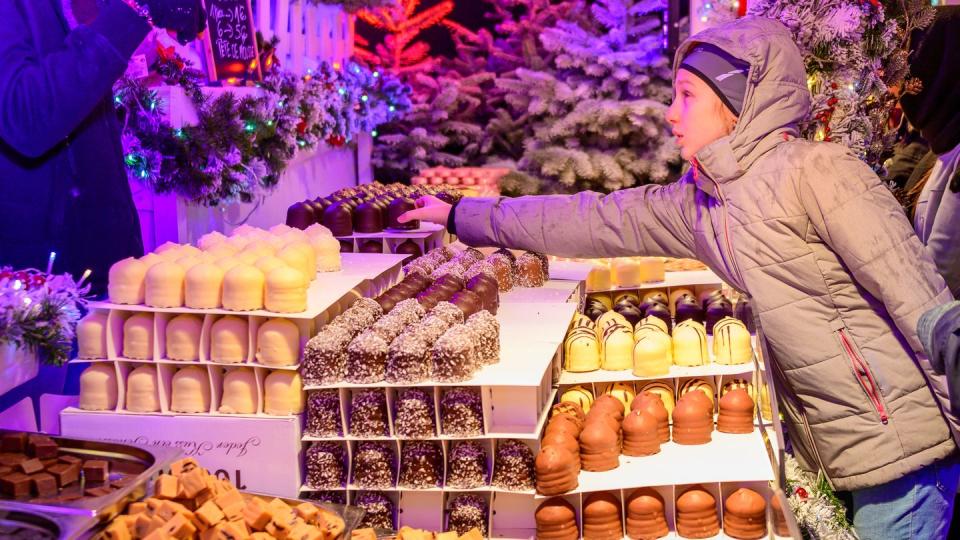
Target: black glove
186	17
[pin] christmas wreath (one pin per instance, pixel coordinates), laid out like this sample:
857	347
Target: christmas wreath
239	147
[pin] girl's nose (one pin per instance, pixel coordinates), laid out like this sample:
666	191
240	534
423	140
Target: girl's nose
672	116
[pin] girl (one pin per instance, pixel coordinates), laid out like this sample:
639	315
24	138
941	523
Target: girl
836	275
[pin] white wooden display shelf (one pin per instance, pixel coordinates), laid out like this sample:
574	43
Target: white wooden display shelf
676	372
512	517
492	431
570	270
727	458
427	237
371	265
529	534
713	369
164	377
530	336
116	320
686	278
187	363
444	489
553	291
424	231
328	289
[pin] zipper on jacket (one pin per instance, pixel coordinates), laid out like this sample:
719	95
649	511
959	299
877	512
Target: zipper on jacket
726	234
862	371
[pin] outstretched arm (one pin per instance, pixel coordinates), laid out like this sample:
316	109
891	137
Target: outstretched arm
649	220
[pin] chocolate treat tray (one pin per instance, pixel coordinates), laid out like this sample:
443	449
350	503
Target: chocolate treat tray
130	468
17	523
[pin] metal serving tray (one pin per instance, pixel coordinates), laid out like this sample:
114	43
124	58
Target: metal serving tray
131	470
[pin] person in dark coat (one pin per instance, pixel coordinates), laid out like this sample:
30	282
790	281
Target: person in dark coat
62	177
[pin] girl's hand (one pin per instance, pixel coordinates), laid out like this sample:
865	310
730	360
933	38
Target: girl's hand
429	208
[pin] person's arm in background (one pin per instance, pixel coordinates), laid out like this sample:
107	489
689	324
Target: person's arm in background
44	98
649	220
943	243
939	332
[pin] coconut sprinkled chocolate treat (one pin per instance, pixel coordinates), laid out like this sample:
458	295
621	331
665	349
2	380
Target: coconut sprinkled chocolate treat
513	467
323	414
367	359
380	510
408	359
325	356
421	465
431	328
388	327
358	317
329	497
487	330
449	312
468	512
326	468
467	465
368	414
374	465
461	412
415	416
454	355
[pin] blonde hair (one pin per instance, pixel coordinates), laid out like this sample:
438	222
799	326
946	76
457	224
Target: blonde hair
726	115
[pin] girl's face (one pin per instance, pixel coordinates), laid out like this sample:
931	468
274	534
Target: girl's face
697	117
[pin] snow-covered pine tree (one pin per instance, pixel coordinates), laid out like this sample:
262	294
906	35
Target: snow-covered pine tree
596	111
440	128
854	52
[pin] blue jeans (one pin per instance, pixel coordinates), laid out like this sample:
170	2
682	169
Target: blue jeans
917	506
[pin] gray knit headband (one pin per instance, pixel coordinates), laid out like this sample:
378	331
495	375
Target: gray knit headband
725	74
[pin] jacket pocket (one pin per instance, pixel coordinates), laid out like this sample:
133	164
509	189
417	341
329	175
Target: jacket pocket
861	370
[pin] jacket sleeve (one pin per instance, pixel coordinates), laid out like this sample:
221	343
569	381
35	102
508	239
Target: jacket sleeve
943	244
649	220
861	221
44	97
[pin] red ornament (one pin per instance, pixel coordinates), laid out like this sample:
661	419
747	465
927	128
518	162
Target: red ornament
302	126
802	493
37	280
336	140
6	274
21	275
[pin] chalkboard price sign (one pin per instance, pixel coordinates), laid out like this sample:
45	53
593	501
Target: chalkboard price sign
231	41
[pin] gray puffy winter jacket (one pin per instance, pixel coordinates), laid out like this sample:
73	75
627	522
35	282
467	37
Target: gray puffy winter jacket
837	276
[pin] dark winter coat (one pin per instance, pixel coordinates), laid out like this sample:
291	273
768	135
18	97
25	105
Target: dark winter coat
837	275
63	186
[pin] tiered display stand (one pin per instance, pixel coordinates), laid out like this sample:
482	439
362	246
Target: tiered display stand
516	395
725	464
428	236
259	452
